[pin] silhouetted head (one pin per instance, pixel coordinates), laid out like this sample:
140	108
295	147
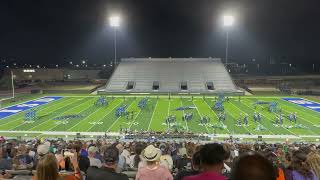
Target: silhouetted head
252	166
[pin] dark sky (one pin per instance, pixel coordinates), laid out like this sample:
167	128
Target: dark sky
43	31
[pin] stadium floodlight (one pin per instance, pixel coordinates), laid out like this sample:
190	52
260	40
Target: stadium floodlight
115	22
228	21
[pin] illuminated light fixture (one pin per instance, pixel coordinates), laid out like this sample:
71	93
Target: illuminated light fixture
29	70
228	20
114	21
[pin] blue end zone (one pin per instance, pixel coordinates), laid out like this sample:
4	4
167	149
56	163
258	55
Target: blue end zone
304	103
11	110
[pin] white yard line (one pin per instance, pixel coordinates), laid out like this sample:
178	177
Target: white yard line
282	127
183	115
216	115
104	115
200	116
153	114
58	115
248	120
77	113
134	119
301	112
44	121
70	129
169	107
119	117
23	111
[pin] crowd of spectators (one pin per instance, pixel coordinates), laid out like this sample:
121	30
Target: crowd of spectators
113	160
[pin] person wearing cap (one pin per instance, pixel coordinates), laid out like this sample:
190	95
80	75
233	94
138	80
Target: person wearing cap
91	155
153	170
42	150
108	168
84	161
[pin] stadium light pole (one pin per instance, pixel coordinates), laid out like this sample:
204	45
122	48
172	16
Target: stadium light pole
115	23
12	84
228	21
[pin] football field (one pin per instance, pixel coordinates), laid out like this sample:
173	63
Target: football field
80	114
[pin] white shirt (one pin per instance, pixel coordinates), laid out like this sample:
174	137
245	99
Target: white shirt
95	162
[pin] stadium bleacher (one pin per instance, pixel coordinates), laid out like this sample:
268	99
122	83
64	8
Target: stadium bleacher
198	75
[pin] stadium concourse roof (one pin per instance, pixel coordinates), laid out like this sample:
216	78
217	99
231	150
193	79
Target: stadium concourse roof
174	75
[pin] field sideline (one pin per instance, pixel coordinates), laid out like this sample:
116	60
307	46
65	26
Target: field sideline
103	119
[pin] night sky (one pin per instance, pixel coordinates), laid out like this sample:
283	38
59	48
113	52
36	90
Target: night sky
57	31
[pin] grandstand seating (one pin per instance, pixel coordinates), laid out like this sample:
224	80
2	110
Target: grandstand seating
171	74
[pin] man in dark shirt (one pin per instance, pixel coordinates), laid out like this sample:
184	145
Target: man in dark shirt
108	169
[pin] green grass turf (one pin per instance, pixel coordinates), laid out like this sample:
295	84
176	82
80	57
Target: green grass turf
103	119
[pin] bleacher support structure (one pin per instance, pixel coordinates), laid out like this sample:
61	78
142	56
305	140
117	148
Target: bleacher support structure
170	75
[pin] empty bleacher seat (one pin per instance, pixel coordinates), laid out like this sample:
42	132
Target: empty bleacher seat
148	74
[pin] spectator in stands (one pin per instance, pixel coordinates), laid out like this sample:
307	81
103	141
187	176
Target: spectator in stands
252	166
122	160
195	168
126	154
277	164
211	162
108	169
47	169
22	160
184	160
314	160
84	162
93	161
299	168
287	160
5	164
165	158
135	158
153	170
42	150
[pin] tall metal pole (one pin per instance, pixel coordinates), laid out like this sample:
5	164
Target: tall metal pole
115	46
227	46
12	84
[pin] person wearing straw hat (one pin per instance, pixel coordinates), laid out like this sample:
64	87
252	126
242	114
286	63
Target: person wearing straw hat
152	170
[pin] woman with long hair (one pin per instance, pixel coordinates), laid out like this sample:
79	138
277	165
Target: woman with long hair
313	160
299	168
136	156
47	169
